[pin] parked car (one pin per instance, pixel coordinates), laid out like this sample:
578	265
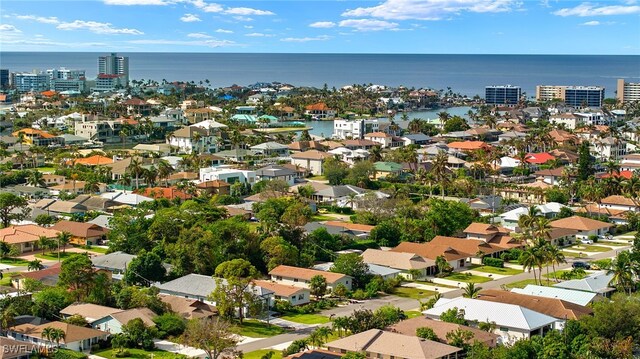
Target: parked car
586	241
605	236
583	265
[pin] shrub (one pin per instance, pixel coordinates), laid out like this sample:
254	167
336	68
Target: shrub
360	294
68	354
170	324
493	262
123	354
593	237
426	333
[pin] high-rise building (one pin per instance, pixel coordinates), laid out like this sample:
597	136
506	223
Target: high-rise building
628	91
30	81
114	65
584	96
504	95
65	74
64	79
4	78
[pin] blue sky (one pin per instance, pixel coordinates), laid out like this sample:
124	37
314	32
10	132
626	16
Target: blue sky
307	26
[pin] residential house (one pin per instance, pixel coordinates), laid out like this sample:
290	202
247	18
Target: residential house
311	160
556	308
569	120
354	129
319	111
25	237
621	203
82	233
376	343
214	187
227	174
75	338
359	144
300	277
419	139
48	276
115	262
92	161
189	308
383	139
295	295
195	115
192	138
108	319
477	247
79	187
384	169
271	149
513	322
275	172
105	131
594	283
34	137
52	180
468	146
360	231
490	233
126	198
301	146
608	148
567	295
334	193
432	251
441	329
630	162
412	265
349	156
585	226
136	106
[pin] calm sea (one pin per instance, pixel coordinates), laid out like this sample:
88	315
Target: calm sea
465	74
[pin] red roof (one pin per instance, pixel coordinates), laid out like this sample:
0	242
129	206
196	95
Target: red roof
623	174
48	93
539	158
164	192
468	145
105	76
320	106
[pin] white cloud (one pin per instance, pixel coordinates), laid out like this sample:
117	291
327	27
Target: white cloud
204	43
190	18
429	9
591	23
224	31
246	11
258	34
243	18
8	29
368	24
97	27
137	2
199	35
323	24
248	26
40	19
306	39
586	9
207	7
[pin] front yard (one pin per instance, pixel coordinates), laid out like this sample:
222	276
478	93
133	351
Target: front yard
257	329
495	270
413	293
18	262
558	274
258	354
53	256
139	354
6	279
306	318
588	248
526	282
467	278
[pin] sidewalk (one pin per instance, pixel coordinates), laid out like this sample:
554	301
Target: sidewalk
432	288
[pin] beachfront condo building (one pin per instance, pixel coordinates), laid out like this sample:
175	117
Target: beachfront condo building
114	65
503	95
64	80
628	91
4	78
30	81
575	96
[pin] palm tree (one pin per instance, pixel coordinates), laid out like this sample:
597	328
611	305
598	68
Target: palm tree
375	153
63	239
48	333
471	291
529	261
440	171
35	265
43	243
7	318
444	118
91	187
164	171
415	126
135	169
622	270
150	175
557	257
36	178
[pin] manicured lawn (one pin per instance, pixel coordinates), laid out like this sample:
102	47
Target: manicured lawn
559	273
526	282
460	277
494	270
140	354
612	243
94	249
414	293
574	255
6	279
277	354
318	178
14	261
412	313
589	248
257	329
322	217
53	256
306	318
632	233
46	169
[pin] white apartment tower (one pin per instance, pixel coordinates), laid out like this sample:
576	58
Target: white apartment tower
114	65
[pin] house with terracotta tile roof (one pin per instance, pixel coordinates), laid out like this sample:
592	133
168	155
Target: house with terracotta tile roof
319	111
301	146
300	277
351	226
37	137
620	203
441	329
359	144
136	106
408	263
95	160
384	139
82	233
477	247
538	158
295	295
75	338
585	226
455	258
377	343
468	145
311	160
553	307
189	308
616	216
25	237
48	276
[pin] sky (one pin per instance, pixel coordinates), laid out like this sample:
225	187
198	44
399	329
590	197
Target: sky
609	27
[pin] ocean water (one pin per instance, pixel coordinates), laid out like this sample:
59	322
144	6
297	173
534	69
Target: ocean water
465	74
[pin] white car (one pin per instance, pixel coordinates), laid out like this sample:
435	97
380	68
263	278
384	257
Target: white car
586	241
